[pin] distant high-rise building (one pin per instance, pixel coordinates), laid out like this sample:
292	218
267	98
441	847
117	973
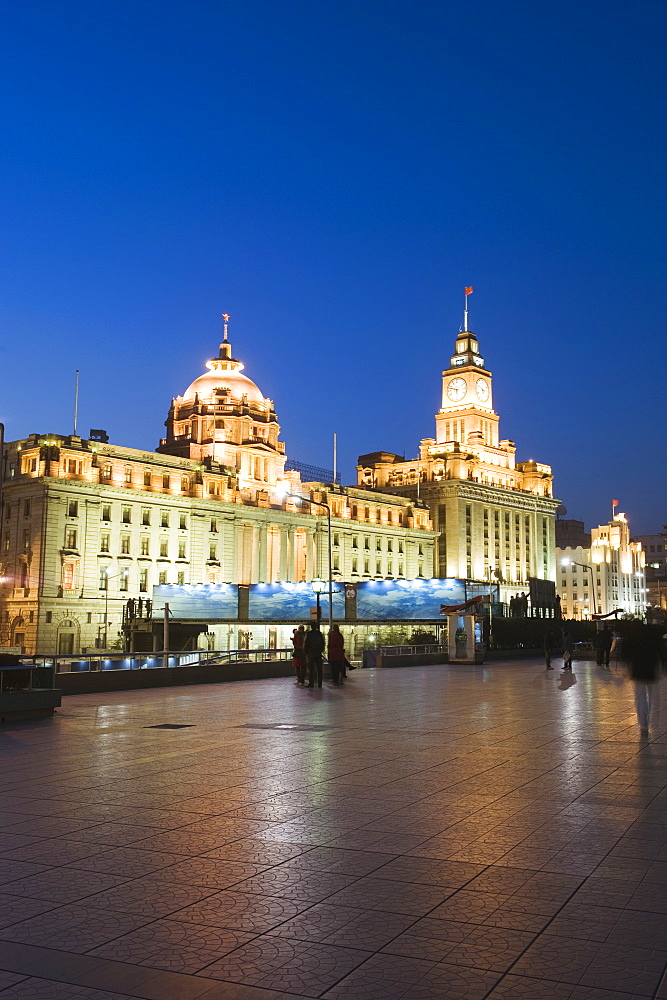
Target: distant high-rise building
606	575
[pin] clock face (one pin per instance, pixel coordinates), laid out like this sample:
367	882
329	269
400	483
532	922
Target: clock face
457	389
482	389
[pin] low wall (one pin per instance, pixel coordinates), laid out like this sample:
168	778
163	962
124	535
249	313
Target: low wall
28	704
89	682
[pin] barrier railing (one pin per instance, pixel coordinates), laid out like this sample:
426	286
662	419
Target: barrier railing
149	661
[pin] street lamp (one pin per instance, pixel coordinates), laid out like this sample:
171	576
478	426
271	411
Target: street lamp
327	508
319	586
573	562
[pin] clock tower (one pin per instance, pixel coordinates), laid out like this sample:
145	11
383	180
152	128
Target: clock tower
467	396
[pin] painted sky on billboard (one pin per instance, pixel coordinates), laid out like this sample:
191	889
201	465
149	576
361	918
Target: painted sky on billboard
213	601
281	601
387	599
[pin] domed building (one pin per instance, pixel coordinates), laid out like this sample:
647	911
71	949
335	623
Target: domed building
91	527
222	418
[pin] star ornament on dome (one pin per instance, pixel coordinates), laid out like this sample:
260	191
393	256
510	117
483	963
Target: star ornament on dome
225	316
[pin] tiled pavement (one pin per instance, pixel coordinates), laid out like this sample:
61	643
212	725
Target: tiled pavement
437	832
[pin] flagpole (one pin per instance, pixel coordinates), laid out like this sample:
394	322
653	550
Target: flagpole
465	312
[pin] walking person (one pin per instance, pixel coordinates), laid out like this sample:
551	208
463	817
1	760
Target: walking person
336	655
548	645
313	646
603	641
298	655
642	650
568	648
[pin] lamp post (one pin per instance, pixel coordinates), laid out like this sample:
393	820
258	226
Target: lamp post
327	508
573	562
319	586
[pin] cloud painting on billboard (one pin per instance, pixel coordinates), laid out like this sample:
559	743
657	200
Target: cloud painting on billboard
386	599
216	602
287	601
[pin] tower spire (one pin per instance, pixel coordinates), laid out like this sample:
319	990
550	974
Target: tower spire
468	290
225	322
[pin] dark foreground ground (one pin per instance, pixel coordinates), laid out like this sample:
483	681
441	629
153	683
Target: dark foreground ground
428	832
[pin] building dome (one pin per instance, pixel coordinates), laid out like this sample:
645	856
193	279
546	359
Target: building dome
223	373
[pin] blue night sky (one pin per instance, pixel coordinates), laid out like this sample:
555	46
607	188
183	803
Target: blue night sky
332	174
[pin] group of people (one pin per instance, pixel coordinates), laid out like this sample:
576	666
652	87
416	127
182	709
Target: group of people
308	655
641	648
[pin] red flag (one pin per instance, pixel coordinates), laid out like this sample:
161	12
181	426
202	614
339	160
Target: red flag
468	291
614	503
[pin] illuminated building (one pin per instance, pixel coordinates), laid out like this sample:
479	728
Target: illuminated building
494	516
613	562
87	525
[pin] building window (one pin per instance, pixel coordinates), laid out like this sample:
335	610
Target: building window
400	548
128	474
214	525
182	522
147	480
73	508
123	581
185	485
354	565
145	516
104	541
366	566
145	545
68	576
389	545
164	547
162	578
400	569
70	538
166	482
106	472
127	515
143	580
26	538
367	543
106	512
48	617
125	544
180	578
336	539
212	551
164	518
355	541
378	567
181	549
26	508
104	578
378	544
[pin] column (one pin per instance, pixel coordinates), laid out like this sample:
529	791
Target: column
290	555
283	554
262	568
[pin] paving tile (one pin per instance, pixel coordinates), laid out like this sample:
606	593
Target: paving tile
426	849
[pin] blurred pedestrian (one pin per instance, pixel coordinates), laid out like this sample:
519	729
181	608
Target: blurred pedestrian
313	646
642	650
603	641
336	655
298	655
568	648
548	645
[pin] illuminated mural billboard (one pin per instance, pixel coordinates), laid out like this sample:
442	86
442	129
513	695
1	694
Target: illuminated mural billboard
386	599
286	601
214	601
